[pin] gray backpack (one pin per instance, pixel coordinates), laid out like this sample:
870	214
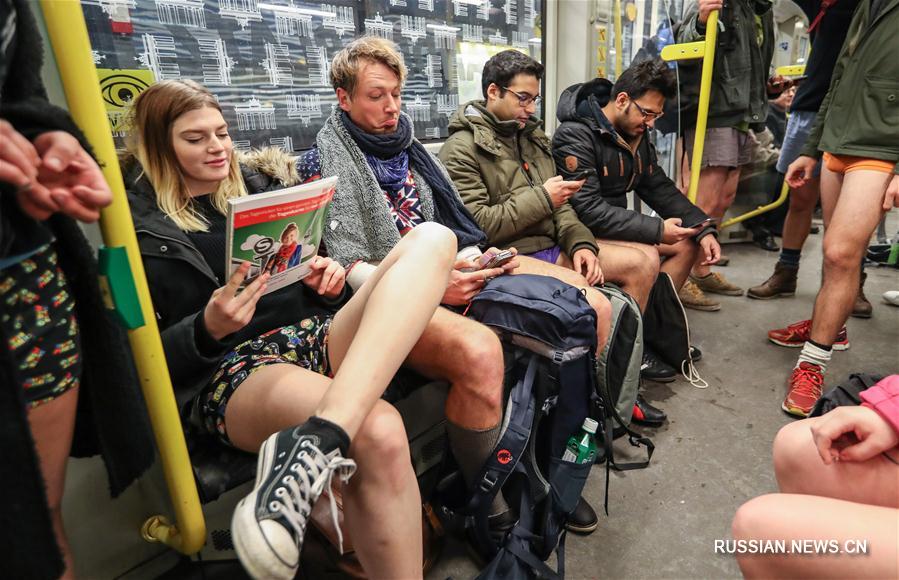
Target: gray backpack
620	360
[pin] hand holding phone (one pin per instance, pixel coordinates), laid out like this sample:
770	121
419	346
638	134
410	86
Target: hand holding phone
581	175
489	261
701	224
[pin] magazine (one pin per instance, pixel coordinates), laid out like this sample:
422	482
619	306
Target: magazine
278	232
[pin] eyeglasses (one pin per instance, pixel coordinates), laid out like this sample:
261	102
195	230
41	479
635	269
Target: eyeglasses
648	115
524	99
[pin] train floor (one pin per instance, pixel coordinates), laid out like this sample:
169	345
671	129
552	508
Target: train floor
712	455
715	451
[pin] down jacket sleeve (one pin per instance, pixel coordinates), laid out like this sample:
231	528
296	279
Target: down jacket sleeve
604	219
657	190
884	398
504	220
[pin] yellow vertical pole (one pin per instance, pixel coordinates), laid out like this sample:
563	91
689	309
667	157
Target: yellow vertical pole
618	49
705	91
71	46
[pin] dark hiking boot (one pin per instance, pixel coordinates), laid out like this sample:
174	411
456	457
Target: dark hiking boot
862	308
781	283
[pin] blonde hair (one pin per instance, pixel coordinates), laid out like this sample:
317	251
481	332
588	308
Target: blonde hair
150	121
349	61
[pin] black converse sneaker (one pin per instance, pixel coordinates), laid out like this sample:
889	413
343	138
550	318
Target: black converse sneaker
269	524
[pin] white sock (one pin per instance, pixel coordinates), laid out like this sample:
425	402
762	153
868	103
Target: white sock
814	355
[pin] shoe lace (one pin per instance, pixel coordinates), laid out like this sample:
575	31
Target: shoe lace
807	381
801	326
313	474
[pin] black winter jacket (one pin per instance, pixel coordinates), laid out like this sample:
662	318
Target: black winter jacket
181	283
586	139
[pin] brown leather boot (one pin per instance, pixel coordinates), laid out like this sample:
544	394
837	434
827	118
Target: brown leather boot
781	283
862	308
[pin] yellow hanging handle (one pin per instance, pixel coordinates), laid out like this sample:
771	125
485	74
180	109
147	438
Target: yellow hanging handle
706	51
71	46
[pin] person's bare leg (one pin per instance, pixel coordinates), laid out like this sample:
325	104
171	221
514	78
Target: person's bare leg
790	517
564	270
679	259
710	198
853	214
632	266
382	502
799	469
815	504
373	333
798	222
469	356
52	426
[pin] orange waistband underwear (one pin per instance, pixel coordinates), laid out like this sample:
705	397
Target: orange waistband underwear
846	163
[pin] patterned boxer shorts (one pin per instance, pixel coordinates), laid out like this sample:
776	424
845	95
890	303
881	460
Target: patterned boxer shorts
37	313
304	344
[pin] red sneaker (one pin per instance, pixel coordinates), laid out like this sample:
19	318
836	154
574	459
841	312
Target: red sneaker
806	385
796	335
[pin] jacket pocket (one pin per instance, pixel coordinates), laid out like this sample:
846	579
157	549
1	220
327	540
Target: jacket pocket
878	121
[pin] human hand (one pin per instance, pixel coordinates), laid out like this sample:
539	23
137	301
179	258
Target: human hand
559	190
68	181
706	7
19	160
464	285
673	233
587	264
891	195
491	252
711	249
326	276
227	311
800	171
852	434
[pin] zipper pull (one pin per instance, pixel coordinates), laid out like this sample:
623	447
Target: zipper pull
525	165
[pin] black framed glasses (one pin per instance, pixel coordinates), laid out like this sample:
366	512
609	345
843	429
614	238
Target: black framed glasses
524	99
648	115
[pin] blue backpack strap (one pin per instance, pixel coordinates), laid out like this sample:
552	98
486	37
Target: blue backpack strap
505	457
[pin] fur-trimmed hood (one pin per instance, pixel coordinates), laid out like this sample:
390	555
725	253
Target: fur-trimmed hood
269	164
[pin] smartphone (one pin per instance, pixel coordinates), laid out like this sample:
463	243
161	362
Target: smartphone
583	174
699	224
496	260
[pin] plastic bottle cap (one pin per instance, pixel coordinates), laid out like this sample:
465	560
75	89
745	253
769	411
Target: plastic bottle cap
590	425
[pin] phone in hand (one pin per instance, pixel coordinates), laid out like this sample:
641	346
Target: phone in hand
497	260
704	222
583	174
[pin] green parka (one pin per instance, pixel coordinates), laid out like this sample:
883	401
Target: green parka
860	114
499	171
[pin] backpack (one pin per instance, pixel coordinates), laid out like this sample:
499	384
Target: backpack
666	329
622	357
549	332
846	394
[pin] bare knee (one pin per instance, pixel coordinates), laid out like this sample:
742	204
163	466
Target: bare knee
479	359
439	240
601	306
752	522
839	255
382	442
793	448
647	269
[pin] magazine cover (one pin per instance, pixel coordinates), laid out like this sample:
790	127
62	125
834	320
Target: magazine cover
278	232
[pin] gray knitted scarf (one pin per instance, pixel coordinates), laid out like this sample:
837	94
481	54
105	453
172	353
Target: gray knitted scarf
360	226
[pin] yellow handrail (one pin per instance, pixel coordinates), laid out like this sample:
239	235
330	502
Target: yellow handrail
618	32
784	192
71	46
706	51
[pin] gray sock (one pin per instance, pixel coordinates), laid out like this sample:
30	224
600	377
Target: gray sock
471	448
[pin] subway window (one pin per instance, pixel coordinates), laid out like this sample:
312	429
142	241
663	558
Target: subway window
268	62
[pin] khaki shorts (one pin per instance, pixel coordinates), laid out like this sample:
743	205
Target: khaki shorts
724	147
